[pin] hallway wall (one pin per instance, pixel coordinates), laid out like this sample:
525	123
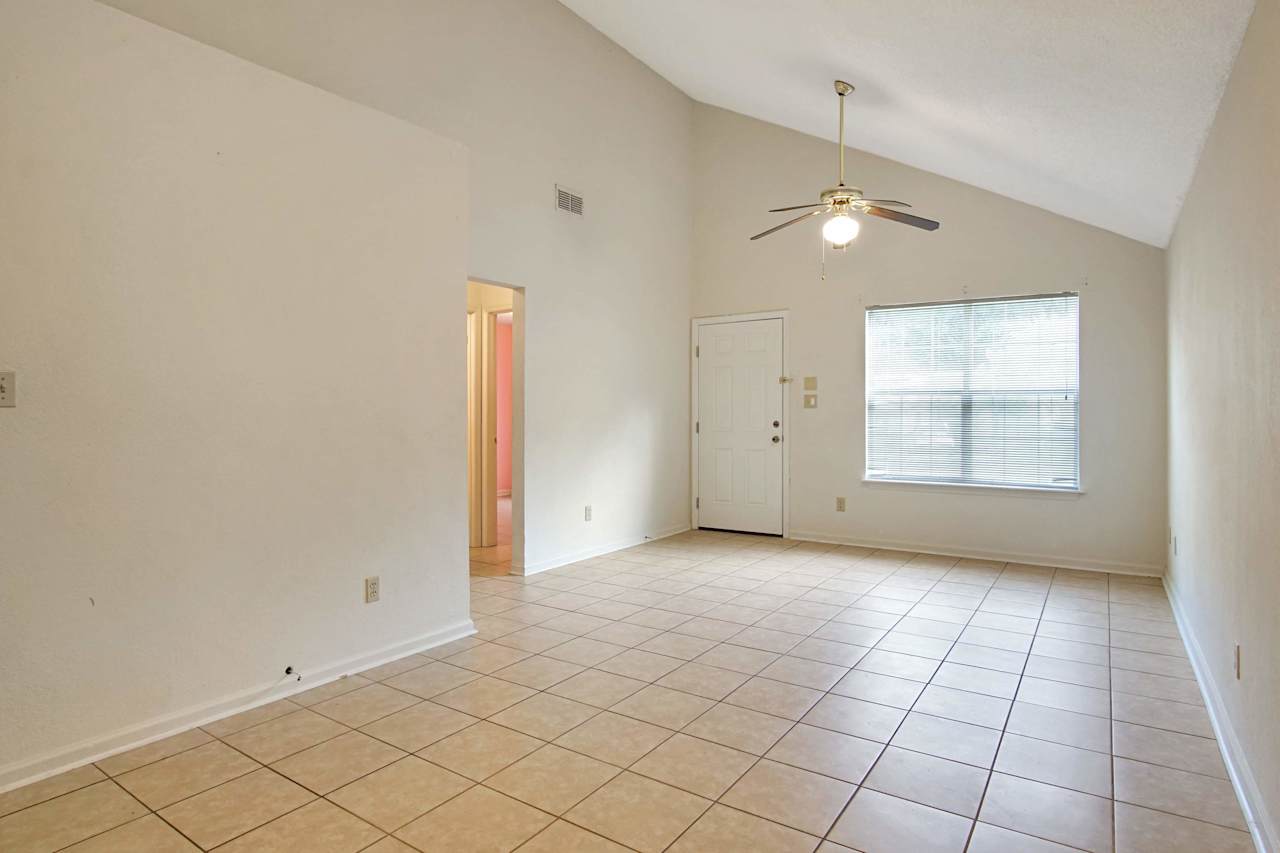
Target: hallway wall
539	98
222	292
1224	416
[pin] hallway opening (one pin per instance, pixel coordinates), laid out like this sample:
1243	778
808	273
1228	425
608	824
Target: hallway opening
494	427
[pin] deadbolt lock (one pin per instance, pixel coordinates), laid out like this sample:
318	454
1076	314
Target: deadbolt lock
777	439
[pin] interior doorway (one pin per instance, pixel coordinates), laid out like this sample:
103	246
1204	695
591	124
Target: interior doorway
495	404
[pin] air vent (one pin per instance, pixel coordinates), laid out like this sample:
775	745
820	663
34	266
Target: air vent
568	200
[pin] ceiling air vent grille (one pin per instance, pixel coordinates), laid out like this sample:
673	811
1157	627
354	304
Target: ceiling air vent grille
568	200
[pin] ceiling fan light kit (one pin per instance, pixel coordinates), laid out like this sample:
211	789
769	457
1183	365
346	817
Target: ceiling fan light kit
845	204
840	229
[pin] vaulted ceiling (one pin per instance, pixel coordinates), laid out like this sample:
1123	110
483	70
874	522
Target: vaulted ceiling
1093	109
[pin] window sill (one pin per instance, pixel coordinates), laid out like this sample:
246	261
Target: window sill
1030	491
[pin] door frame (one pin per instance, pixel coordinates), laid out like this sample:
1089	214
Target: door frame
694	333
489	428
475	495
519	323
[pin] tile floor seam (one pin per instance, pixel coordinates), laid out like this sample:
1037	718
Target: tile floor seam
885	747
1000	741
1111	725
902	591
315	794
126	791
1213	823
149	763
710	804
226	841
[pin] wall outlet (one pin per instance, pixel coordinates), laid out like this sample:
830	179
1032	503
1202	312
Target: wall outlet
586	513
1236	662
8	391
839	504
372	589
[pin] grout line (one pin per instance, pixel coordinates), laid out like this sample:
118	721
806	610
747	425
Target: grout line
127	793
655	571
1111	725
1000	741
891	628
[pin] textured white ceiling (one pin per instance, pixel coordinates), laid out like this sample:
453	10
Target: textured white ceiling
1093	109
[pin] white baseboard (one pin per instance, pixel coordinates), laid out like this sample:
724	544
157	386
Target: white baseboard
1262	824
980	554
588	553
26	771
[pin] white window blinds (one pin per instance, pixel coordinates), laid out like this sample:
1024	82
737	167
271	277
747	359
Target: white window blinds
984	392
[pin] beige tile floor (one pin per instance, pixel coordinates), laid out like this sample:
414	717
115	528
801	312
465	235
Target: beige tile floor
709	692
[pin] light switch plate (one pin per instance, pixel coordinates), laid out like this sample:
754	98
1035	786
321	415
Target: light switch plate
811	401
8	389
811	383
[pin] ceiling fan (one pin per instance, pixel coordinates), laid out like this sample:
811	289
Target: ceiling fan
844	203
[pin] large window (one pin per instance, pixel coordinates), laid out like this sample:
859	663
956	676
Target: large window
984	392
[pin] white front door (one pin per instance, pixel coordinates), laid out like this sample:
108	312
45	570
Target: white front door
740	429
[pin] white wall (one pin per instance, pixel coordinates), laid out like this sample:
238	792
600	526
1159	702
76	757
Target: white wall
234	304
988	246
1224	417
539	98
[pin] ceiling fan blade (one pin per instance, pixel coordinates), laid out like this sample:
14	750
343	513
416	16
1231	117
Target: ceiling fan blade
905	218
884	202
797	207
788	222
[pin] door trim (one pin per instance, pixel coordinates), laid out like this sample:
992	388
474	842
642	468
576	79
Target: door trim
694	329
518	337
475	498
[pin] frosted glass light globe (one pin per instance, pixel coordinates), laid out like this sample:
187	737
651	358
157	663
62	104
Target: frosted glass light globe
840	229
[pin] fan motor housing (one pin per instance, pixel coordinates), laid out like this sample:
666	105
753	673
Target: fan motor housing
840	195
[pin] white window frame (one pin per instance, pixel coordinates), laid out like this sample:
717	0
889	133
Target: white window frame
1068	491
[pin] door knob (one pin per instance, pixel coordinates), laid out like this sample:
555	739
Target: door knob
777	439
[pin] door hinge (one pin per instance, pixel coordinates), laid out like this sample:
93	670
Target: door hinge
697	351
697	427
697	503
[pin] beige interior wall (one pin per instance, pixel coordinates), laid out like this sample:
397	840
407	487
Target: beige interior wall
988	245
179	377
233	302
1224	417
539	98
